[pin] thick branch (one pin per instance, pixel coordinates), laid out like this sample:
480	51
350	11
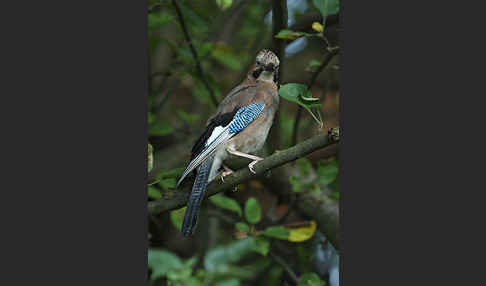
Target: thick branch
194	53
325	211
326	61
179	198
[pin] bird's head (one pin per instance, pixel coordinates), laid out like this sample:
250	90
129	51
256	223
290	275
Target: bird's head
266	66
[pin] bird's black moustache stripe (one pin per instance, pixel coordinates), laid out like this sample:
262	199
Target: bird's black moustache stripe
257	72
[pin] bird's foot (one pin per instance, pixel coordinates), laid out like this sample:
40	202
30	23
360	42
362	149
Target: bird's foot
250	166
227	171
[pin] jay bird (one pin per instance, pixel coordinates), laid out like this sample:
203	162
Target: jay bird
240	126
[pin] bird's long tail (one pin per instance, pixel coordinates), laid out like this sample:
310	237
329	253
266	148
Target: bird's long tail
196	197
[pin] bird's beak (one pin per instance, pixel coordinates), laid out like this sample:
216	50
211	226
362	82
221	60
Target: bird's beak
256	72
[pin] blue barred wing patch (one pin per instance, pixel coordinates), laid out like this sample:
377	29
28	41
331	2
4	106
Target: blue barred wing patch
244	116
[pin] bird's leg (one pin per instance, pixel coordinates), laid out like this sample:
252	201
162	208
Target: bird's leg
255	159
227	171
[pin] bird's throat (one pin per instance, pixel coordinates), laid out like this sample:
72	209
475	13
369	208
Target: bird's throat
266	76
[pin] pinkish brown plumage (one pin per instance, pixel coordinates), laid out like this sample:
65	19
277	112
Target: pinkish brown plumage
217	143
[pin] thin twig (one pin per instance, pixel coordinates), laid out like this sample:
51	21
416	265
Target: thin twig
285	266
312	80
194	53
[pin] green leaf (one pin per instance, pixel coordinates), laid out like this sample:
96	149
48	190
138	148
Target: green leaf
220	256
158	20
227	57
165	263
321	5
310	279
307	97
174	173
160	128
177	216
335	196
195	23
304	169
275	276
279	232
191	281
154	193
204	49
326	7
150	159
242	226
293	92
262	245
224	4
185	55
226	203
291	35
286	126
305	166
188	117
179	274
303	233
332	7
161	262
296	183
313	65
304	255
169	183
253	211
150	117
327	172
228	282
242	272
201	93
298	93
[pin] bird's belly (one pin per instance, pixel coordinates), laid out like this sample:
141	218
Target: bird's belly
253	137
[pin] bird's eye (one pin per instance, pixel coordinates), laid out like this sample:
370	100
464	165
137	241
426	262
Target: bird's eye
258	62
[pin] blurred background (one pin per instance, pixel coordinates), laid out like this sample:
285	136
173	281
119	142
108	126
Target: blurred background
277	229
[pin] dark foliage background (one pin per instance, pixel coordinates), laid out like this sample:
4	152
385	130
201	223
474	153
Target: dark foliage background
265	233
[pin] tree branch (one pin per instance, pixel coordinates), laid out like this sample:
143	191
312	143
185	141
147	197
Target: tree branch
326	61
279	22
325	211
194	53
178	199
285	266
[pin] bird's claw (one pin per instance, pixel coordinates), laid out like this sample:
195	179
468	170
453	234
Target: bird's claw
250	166
225	173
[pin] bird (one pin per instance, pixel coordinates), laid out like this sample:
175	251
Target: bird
239	127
